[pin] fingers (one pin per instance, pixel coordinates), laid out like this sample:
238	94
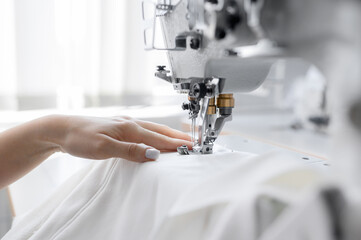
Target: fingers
131	151
164	130
161	142
156	135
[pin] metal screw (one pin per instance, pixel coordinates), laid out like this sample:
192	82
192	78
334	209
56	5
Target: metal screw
195	43
161	68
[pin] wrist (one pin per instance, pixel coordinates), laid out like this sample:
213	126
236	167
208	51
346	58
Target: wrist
53	131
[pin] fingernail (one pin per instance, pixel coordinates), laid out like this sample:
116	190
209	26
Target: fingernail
152	153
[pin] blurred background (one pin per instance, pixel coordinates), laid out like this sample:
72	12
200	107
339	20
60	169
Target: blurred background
70	54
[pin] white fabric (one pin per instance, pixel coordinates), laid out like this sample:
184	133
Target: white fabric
176	197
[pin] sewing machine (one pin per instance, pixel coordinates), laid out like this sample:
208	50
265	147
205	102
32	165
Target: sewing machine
215	49
220	47
204	41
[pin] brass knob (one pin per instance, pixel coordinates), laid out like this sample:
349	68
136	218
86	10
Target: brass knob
211	107
225	101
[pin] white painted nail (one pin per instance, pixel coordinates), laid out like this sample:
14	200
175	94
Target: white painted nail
152	153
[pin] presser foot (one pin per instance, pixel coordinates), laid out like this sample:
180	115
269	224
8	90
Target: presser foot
183	150
206	149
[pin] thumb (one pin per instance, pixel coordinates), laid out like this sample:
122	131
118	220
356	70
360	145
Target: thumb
133	151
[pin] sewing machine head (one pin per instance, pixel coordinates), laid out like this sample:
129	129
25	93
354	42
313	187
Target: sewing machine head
201	39
220	47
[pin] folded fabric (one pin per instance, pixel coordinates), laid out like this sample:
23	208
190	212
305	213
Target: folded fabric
177	197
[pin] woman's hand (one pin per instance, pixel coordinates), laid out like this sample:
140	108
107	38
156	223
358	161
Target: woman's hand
131	139
24	147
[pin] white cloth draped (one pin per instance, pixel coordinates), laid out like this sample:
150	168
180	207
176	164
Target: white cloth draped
176	197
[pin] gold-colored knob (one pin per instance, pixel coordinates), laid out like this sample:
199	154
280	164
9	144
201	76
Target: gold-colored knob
225	100
211	107
211	110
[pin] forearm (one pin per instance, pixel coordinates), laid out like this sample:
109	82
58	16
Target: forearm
24	147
